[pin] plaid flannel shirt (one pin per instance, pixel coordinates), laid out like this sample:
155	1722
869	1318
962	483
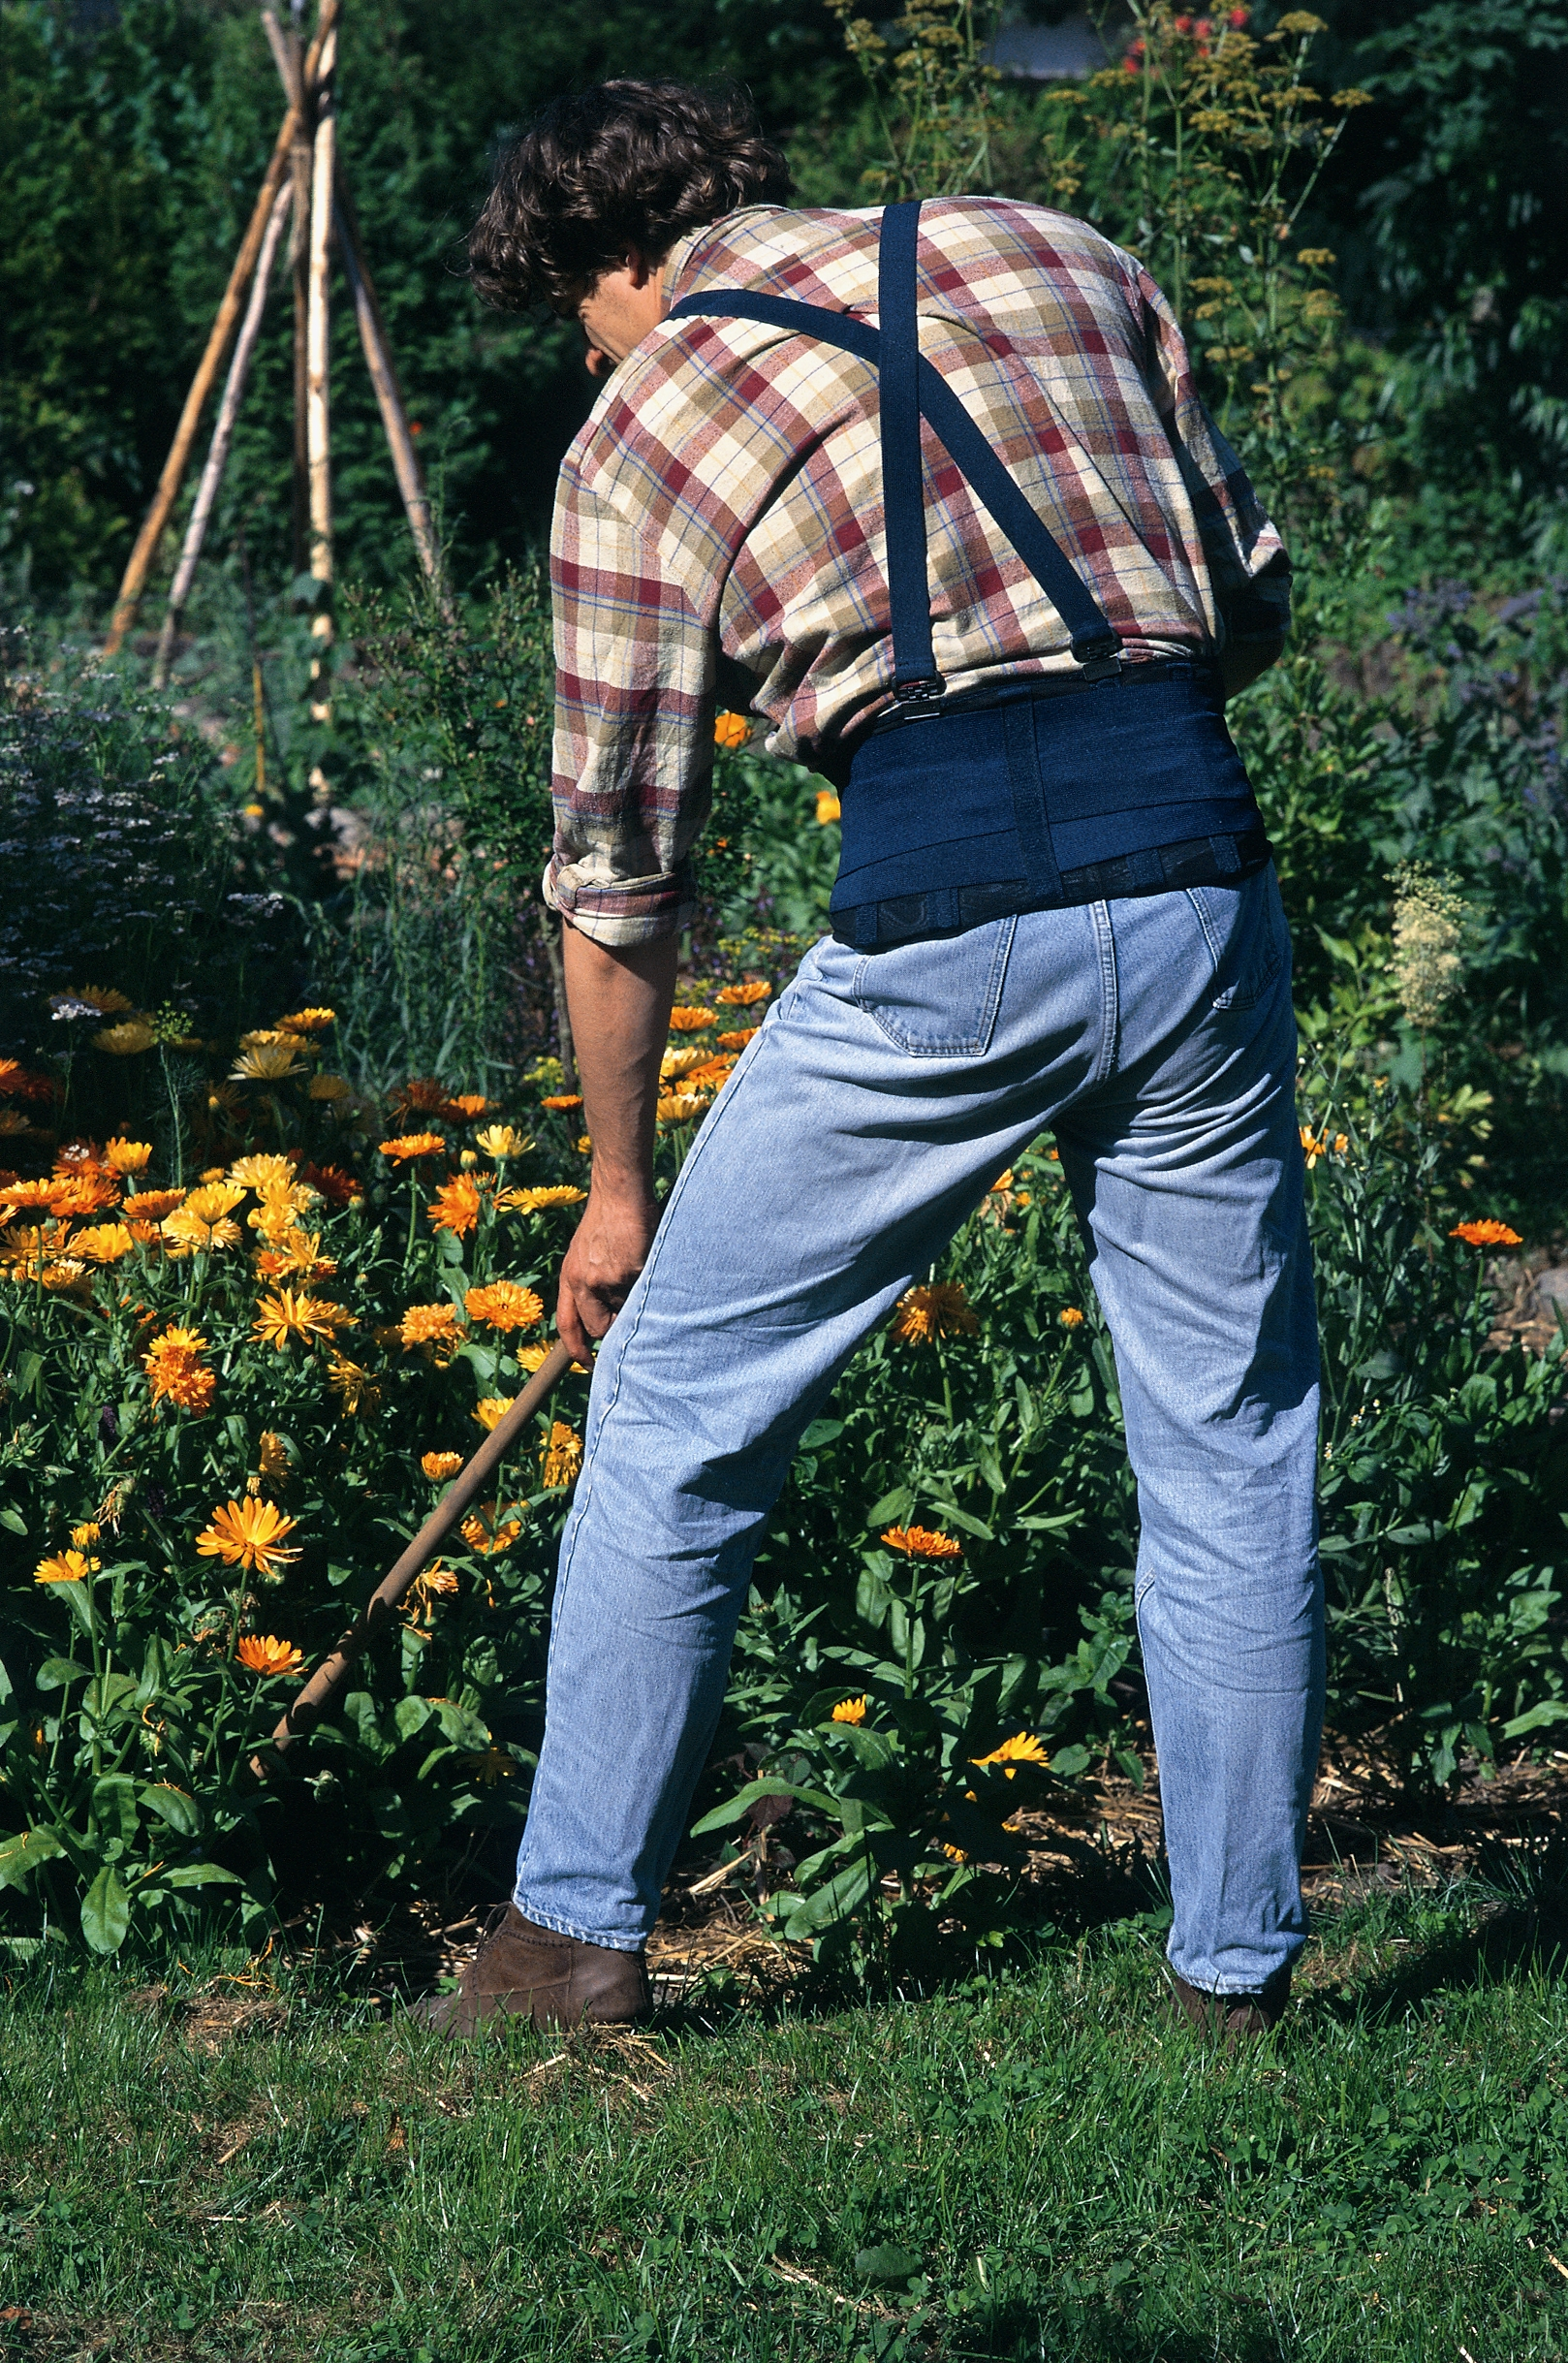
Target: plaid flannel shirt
726	495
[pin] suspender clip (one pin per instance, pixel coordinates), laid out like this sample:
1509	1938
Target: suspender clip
918	697
1099	660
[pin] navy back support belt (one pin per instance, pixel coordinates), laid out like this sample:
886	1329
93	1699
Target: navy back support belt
1038	790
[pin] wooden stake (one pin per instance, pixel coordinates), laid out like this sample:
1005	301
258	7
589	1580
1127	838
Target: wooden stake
286	57
384	378
222	436
319	359
139	565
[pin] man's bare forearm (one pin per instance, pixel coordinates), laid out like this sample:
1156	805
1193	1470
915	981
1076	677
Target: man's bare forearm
620	998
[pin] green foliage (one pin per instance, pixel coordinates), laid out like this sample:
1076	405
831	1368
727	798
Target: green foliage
932	96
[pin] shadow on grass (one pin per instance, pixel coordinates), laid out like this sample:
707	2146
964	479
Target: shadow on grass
1521	1927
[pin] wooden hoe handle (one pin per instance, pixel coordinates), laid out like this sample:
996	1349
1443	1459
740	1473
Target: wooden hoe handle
310	1702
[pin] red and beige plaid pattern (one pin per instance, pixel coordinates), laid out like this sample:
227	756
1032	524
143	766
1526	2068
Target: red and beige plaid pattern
726	492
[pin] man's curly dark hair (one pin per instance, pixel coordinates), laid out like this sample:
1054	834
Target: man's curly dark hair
624	164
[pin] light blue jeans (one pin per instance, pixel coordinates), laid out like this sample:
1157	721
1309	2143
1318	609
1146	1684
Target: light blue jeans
878	1102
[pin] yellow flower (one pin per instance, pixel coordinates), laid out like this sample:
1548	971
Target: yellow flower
355	1388
690	1020
1489	1232
174	1370
66	1273
309	1020
678	1063
738	1040
280	1208
263	1173
919	1542
127	1039
680	1107
744	996
266	1654
1021	1748
850	1711
272	1458
730	729
152	1204
1070	1317
828	807
500	1140
494	1765
537	1201
293	1314
941	1310
128	1157
105	1243
85	1536
299	1256
267	1061
492	1409
485	1531
66	1568
436	1327
202	1223
102	997
504	1305
436	1583
562	1456
248	1535
457	1206
534	1357
438	1466
410	1145
329	1087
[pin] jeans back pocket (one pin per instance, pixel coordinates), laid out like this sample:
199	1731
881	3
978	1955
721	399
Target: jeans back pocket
938	998
1248	937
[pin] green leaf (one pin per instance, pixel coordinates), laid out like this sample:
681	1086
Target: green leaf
893	1508
1058	1525
174	1805
723	1815
55	1671
411	1715
106	1913
886	2264
950	1512
1068	1762
990	1468
1536	1719
13	1521
114	1806
20	1855
820	1431
200	1875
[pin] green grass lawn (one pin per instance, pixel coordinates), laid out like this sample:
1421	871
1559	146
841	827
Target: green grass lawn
211	2168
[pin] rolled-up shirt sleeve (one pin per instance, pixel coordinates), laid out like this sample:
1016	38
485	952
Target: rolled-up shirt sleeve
633	761
1249	565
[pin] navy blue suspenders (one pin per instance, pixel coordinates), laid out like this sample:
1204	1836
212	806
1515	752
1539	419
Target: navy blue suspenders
987	815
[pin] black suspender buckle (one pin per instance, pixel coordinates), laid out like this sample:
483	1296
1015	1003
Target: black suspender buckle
918	697
1099	659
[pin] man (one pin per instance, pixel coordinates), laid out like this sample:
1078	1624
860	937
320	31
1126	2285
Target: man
937	479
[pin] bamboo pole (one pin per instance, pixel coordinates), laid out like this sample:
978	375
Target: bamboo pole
140	563
206	491
287	57
384	377
318	422
311	1701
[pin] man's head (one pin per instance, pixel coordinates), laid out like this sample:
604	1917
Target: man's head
592	199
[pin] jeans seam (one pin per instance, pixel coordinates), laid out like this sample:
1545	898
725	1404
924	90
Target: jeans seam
580	1935
1110	1004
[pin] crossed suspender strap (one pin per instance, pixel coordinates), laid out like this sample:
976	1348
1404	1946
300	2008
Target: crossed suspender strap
910	389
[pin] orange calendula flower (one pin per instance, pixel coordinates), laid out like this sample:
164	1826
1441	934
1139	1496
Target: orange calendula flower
17	1195
174	1370
436	1583
690	1020
730	729
500	1140
309	1020
128	1157
251	1534
563	1099
457	1206
331	1183
487	1532
921	1542
941	1310
1489	1232
409	1146
492	1410
291	1313
85	1536
539	1201
680	1107
711	1075
66	1568
745	996
266	1654
828	807
433	1326
299	1256
152	1204
84	1194
353	1385
263	1173
1023	1748
438	1466
267	1062
272	1458
103	1242
470	1104
504	1305
562	1456
126	1040
1070	1317
204	1222
850	1711
738	1039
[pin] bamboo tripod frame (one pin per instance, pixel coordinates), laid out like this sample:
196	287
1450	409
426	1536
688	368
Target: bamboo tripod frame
303	178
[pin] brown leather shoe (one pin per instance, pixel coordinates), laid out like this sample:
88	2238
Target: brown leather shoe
1229	2019
526	1971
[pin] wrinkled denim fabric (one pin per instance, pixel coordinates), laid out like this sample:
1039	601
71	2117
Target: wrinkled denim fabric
879	1100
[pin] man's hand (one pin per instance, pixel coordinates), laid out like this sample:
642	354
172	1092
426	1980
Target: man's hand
620	998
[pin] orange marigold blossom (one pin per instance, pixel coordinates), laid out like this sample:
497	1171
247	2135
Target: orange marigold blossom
173	1367
744	996
272	1457
505	1305
18	1194
562	1456
850	1710
1023	1748
66	1568
152	1204
1070	1317
492	1409
353	1385
438	1466
250	1534
1487	1233
940	1311
86	1193
563	1099
266	1654
470	1104
190	1234
435	1583
457	1206
828	807
411	1145
293	1313
298	1256
690	1020
487	1532
730	729
128	1157
309	1020
738	1040
103	1242
921	1542
85	1536
434	1325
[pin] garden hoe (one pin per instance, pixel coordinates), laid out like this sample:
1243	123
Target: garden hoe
465	1488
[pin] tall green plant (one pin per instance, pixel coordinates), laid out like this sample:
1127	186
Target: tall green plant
932	94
